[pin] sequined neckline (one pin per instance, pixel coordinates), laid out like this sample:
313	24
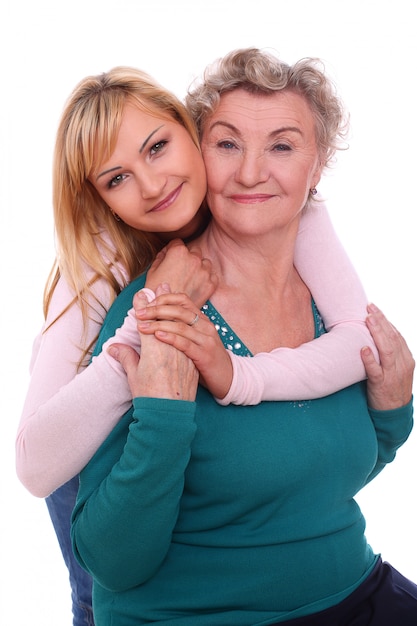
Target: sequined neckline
231	340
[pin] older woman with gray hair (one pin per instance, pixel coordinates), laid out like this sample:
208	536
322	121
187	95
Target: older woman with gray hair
192	513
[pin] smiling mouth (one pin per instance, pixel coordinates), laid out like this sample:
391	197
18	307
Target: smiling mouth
166	202
251	198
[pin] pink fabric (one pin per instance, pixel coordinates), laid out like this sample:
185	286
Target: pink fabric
331	362
67	415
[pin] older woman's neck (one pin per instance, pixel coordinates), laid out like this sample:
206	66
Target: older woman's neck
266	260
260	294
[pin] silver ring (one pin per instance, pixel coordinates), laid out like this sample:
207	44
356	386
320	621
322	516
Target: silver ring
195	320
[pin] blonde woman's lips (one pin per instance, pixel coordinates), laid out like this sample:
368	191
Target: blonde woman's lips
166	202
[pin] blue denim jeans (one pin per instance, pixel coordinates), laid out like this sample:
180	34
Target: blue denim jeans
60	505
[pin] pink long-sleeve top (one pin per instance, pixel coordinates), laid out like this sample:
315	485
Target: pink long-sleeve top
68	413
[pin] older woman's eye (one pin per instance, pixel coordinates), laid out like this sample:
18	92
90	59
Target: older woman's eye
282	147
157	147
227	145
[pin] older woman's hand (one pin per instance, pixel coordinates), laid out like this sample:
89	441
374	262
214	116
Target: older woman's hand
161	371
389	383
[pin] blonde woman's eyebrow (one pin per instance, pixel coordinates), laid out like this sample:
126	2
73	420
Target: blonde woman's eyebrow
143	146
112	169
141	149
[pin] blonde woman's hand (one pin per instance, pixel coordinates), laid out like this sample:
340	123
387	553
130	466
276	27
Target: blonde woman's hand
175	320
184	271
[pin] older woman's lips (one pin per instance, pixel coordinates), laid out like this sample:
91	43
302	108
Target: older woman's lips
166	202
251	198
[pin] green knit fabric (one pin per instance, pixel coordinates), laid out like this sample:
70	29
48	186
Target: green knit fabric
192	514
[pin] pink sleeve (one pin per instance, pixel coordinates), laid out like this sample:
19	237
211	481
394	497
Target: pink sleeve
330	362
67	415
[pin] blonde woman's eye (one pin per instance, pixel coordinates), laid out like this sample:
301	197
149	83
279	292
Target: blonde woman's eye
157	147
116	180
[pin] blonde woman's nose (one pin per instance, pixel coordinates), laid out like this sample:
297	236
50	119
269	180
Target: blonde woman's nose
151	182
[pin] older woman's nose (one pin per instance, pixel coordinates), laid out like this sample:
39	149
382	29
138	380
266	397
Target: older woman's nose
252	169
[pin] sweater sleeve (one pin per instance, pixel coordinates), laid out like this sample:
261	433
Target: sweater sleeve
330	362
392	430
131	490
66	416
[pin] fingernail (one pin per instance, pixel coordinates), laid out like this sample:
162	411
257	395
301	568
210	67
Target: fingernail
113	351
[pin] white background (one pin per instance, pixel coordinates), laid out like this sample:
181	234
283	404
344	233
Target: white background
369	47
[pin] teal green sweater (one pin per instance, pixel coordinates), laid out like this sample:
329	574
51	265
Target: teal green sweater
194	514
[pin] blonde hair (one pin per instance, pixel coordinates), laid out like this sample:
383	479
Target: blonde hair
260	72
86	135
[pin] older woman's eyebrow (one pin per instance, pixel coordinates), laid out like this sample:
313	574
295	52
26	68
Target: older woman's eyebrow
226	124
273	133
286	129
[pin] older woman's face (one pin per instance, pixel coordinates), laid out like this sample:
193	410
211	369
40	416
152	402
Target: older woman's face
261	159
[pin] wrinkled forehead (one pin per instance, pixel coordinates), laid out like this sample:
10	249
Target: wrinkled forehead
273	108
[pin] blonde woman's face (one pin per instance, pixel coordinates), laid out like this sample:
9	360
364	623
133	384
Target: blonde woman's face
155	179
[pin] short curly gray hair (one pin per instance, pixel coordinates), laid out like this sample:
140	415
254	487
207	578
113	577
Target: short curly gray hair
260	72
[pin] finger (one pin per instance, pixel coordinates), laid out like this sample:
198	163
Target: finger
195	345
191	325
159	258
178	298
387	339
165	296
162	289
380	320
178	314
194	320
174	243
214	280
206	263
176	247
195	250
125	355
373	370
140	301
166	306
